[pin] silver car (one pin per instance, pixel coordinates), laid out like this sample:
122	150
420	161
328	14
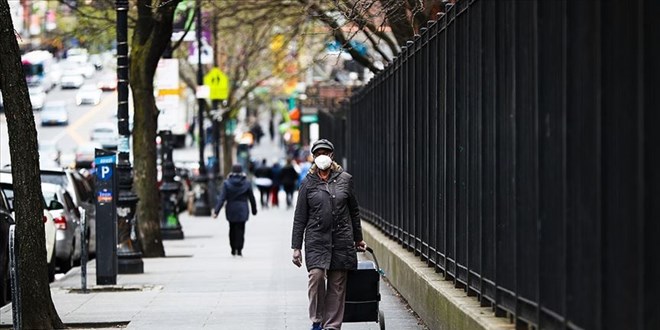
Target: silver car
81	191
68	235
55	113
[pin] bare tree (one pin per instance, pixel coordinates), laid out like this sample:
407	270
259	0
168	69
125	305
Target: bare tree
383	25
37	310
246	32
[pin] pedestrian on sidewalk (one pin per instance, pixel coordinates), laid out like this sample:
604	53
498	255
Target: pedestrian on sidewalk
289	180
328	217
276	169
264	181
237	192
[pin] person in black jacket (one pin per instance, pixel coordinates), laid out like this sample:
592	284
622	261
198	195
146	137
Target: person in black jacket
289	179
328	217
237	192
264	181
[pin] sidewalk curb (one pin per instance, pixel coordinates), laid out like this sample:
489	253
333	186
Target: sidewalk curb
435	300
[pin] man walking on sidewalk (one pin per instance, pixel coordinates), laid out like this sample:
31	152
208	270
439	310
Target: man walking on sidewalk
328	217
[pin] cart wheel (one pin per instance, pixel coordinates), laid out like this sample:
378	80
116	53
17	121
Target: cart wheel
381	319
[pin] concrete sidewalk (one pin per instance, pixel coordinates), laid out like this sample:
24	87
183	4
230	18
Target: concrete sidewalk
201	285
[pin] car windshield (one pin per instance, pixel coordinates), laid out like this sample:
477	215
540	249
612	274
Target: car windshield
8	189
54	108
49	196
35	90
58	178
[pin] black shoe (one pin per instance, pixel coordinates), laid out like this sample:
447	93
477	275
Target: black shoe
316	326
233	252
239	253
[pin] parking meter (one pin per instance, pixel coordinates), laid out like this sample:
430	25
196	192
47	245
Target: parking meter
106	217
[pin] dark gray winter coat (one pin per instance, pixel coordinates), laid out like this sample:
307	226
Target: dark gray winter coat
237	191
328	217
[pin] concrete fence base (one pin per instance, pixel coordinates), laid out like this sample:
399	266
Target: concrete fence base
435	300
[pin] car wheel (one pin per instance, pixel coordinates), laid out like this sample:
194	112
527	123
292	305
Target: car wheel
64	265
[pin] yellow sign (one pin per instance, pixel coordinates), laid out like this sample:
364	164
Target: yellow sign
218	82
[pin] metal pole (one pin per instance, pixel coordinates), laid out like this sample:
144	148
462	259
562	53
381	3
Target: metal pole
83	248
216	138
201	181
129	254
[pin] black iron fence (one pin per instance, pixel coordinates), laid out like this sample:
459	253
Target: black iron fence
514	145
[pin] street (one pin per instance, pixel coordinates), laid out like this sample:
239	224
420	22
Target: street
81	120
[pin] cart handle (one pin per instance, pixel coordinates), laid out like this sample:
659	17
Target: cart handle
370	250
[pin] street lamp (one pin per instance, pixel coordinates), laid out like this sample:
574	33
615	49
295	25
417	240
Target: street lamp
129	254
201	205
170	227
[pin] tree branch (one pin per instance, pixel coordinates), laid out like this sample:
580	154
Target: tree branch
341	38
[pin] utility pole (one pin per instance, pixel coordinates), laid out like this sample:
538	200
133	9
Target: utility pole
129	253
201	204
216	105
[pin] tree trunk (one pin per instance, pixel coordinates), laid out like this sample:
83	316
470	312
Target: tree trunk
37	310
150	39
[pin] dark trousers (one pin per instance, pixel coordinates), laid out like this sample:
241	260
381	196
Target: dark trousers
264	194
236	235
289	189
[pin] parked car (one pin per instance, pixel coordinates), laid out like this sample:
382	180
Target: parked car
106	134
85	154
82	194
7	188
55	113
37	97
88	94
68	238
71	80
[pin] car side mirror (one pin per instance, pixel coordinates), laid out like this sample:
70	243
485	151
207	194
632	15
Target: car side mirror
55	205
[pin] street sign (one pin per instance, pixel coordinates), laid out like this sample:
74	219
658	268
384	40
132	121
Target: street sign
311	118
218	82
104	172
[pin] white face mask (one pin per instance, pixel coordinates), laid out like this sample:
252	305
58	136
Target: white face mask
323	162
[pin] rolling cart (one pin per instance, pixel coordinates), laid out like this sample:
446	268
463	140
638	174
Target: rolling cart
363	293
